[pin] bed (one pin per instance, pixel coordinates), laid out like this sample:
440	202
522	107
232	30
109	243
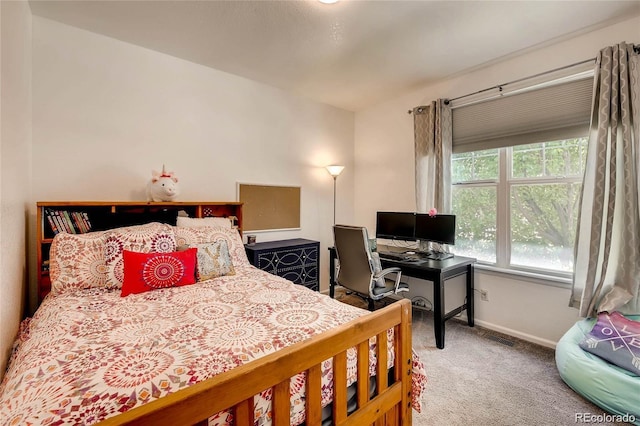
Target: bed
241	348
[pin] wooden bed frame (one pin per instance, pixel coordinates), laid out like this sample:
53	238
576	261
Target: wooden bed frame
234	389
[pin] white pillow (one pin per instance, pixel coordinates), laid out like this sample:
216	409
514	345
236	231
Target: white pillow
194	222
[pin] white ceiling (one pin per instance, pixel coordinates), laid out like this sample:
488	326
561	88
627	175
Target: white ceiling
350	54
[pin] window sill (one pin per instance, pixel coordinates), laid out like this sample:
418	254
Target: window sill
534	277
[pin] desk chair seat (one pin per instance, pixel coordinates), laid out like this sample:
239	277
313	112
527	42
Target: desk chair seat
359	269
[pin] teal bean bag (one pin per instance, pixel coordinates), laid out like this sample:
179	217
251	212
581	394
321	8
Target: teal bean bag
614	389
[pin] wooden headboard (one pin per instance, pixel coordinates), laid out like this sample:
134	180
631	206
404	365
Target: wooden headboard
86	216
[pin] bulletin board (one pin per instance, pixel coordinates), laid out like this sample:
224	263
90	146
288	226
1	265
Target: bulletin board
269	207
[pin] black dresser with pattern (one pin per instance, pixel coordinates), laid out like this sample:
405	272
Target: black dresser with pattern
296	260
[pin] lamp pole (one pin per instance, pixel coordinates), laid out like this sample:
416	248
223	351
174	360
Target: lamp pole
335	178
334	171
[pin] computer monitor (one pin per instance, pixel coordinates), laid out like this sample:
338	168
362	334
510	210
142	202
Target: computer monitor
440	228
395	225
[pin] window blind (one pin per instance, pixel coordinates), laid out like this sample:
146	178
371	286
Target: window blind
550	113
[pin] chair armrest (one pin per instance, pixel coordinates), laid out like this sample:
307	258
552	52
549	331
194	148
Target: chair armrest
398	272
387	271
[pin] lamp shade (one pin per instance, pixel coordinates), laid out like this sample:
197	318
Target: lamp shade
335	170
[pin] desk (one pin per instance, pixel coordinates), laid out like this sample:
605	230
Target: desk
437	271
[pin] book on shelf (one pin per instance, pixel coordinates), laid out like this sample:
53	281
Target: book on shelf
52	224
68	223
61	222
75	223
72	222
85	216
77	220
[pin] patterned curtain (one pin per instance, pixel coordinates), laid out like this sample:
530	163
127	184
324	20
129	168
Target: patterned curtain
607	256
432	128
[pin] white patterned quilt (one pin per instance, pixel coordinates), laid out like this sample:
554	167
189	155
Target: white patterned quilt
90	354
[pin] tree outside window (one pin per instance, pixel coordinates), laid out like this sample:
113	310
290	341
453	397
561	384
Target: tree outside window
517	207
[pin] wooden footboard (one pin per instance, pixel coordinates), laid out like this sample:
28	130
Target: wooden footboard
391	404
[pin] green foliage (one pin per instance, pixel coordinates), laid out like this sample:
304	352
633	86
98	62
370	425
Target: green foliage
560	158
543	190
471	166
545	214
475	210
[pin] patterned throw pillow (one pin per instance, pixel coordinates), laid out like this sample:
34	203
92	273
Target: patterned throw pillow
197	222
151	237
194	236
214	260
77	261
152	271
615	339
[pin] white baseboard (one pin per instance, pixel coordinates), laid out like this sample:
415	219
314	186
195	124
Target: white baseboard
524	336
490	326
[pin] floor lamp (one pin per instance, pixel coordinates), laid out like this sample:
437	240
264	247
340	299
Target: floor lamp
335	172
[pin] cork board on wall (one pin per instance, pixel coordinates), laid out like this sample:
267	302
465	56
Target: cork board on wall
269	207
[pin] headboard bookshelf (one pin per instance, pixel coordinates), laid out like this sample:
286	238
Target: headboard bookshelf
88	216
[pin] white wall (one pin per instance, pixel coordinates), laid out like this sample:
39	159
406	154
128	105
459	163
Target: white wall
107	112
384	177
15	171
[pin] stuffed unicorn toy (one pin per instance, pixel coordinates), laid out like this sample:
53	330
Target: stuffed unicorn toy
163	186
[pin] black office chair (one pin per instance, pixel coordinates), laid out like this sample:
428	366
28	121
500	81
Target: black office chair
358	270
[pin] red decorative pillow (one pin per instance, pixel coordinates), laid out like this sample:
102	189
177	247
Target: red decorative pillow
151	271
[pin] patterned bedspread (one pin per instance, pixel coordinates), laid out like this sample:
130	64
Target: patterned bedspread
91	354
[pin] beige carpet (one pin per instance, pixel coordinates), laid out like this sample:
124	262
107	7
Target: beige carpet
486	378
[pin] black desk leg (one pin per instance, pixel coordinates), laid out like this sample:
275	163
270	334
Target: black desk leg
470	295
438	307
332	272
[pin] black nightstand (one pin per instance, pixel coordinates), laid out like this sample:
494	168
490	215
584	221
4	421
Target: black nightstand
296	260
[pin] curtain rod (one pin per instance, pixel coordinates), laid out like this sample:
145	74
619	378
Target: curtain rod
636	49
500	86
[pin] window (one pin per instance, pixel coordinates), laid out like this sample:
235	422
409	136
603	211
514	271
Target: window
517	207
518	161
